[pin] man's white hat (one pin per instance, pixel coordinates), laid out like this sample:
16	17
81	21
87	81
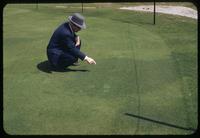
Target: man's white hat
78	20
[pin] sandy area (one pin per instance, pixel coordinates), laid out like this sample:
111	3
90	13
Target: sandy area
175	10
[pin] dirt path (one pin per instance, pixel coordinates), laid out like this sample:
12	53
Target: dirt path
175	10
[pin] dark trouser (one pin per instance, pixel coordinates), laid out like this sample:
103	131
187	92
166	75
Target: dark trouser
61	61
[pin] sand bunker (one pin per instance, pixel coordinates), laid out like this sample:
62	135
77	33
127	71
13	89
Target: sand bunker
175	10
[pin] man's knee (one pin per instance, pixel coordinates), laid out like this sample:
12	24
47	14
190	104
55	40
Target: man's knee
67	60
61	61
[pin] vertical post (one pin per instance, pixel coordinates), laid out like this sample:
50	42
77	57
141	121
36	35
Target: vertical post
37	4
154	12
82	6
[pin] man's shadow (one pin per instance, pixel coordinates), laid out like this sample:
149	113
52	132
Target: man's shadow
46	67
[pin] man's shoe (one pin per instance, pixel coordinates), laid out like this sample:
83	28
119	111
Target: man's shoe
75	64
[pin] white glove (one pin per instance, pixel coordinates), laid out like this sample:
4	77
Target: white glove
89	60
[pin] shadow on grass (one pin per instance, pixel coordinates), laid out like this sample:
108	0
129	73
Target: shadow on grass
46	67
159	122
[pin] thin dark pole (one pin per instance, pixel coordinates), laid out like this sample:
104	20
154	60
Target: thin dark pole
154	12
37	5
82	6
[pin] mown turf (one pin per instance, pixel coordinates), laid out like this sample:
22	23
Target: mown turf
141	69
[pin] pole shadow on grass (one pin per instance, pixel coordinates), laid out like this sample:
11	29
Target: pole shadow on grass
159	122
46	67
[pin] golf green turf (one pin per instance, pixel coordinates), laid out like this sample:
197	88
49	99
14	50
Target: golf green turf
142	69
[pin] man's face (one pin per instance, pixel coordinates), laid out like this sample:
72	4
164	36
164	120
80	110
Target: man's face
75	28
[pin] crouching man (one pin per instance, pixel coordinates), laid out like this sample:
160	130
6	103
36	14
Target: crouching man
64	46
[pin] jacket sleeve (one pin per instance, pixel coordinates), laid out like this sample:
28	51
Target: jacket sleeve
68	42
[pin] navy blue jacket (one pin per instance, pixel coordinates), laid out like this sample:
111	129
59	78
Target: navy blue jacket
63	41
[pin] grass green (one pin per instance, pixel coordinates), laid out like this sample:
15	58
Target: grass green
142	69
